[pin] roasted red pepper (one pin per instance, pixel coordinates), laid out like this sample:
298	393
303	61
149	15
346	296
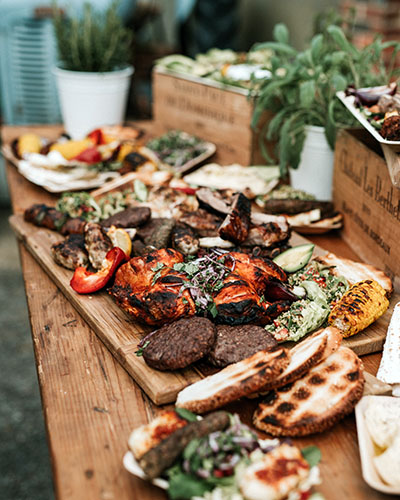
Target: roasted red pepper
97	136
89	155
186	190
84	281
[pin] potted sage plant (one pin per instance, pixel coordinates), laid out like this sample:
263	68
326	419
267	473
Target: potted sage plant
302	93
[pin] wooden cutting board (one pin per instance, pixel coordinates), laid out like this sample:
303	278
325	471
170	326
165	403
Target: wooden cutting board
121	334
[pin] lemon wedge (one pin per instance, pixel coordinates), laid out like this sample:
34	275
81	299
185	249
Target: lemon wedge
120	238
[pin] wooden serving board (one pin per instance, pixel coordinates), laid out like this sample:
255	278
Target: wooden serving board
121	334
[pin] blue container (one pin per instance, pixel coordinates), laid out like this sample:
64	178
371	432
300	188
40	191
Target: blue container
27	55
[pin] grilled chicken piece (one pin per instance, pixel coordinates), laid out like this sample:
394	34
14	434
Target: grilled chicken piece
148	288
242	297
238	302
259	272
213	201
267	231
204	223
97	244
184	239
237	223
73	226
43	216
169	202
70	252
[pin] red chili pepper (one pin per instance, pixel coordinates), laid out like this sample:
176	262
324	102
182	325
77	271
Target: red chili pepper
89	155
97	136
186	190
84	281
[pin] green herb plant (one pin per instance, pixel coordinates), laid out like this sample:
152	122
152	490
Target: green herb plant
303	85
93	41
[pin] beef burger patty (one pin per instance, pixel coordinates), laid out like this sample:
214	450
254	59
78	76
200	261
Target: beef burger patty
234	343
180	344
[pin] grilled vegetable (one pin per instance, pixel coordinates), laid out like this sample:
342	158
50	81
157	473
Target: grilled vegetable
361	305
28	143
71	149
295	258
83	281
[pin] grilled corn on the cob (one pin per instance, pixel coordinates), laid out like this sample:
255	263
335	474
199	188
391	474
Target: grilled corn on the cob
362	304
28	143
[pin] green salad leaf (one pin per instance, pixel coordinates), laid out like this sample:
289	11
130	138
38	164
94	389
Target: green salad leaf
184	486
312	454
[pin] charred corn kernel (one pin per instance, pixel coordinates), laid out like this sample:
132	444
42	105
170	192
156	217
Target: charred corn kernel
29	143
225	68
124	150
70	149
361	305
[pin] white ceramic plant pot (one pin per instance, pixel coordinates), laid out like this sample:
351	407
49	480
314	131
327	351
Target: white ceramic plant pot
315	171
90	100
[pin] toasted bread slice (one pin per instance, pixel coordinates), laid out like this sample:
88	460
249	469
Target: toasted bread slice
147	436
307	354
234	381
316	401
356	271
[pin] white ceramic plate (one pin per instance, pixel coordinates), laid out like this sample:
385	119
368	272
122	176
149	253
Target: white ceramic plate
134	468
367	451
348	101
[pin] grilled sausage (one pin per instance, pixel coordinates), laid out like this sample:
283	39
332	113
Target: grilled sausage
159	458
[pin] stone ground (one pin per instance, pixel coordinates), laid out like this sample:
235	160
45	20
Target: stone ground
24	460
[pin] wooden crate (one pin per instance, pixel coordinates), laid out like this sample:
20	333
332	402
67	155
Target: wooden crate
370	203
218	114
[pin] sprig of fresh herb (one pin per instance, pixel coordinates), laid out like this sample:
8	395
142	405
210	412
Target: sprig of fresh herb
94	41
141	349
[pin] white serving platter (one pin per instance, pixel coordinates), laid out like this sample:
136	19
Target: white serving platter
367	449
348	101
134	468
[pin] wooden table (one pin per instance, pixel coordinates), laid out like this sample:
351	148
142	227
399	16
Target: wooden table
91	404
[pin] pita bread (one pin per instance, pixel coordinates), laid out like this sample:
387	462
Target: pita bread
234	381
307	354
315	402
356	271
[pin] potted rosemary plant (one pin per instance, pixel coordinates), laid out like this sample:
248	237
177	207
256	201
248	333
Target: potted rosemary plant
93	74
302	93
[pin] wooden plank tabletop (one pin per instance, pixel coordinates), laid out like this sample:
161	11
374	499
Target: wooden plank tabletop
91	404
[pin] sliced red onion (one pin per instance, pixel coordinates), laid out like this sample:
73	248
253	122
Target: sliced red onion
146	338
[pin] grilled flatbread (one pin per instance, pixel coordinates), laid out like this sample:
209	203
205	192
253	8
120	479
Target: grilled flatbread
356	271
234	381
316	401
307	354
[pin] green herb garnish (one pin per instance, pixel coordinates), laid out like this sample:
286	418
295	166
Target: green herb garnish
140	351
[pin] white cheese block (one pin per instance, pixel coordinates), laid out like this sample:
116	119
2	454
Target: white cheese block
389	369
